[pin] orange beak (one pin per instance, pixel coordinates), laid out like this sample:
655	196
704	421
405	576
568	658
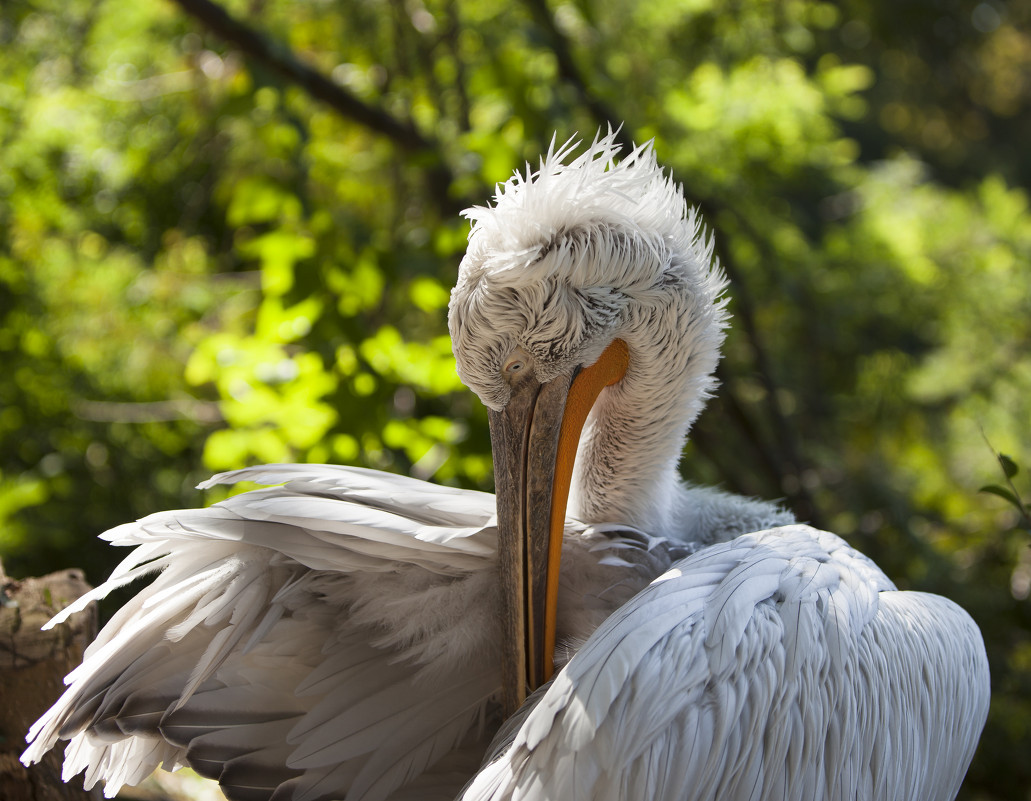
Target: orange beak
535	439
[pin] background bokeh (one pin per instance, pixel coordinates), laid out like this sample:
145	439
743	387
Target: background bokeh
228	233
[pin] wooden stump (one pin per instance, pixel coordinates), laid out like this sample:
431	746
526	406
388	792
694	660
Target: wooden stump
33	665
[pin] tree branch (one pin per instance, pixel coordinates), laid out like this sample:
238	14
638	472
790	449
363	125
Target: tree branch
203	412
278	58
281	60
570	73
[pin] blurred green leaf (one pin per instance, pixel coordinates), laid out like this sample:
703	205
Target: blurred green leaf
1002	492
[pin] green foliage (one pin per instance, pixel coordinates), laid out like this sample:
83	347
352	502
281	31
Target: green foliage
202	267
1009	493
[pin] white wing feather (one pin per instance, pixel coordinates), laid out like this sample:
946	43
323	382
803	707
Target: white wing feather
778	665
334	635
273	651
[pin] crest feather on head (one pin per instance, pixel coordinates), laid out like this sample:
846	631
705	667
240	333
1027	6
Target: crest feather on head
570	254
628	205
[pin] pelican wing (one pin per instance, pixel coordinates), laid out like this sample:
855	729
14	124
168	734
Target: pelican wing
781	664
325	636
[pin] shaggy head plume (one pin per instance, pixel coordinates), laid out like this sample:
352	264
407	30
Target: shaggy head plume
556	263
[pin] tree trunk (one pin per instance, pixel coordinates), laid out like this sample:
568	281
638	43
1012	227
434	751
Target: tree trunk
33	664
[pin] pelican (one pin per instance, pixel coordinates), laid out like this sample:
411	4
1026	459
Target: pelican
598	630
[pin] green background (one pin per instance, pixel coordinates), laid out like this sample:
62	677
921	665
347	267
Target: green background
230	239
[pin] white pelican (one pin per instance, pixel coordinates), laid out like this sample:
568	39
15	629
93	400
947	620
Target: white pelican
352	634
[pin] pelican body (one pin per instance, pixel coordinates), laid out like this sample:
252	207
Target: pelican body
599	630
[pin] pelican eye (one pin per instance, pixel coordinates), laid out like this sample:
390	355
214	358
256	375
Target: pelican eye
516	365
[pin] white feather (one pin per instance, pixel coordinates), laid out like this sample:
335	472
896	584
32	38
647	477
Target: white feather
644	711
336	636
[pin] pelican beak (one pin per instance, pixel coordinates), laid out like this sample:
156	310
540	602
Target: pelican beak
534	439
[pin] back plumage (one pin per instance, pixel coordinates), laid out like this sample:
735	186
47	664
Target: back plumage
779	665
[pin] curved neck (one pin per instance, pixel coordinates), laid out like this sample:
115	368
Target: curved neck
626	466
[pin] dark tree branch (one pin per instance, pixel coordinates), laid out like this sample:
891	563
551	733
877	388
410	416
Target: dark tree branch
203	412
278	58
450	37
570	73
784	433
767	456
281	60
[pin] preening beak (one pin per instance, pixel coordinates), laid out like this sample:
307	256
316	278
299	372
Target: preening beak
534	439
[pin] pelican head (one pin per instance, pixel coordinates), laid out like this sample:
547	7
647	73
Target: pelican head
588	317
